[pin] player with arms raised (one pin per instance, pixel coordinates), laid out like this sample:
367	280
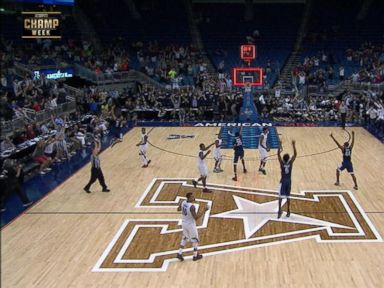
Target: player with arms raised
189	218
346	149
285	182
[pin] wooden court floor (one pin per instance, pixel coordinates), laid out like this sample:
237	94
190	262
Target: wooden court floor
128	237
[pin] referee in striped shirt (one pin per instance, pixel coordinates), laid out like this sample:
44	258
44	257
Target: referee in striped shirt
96	173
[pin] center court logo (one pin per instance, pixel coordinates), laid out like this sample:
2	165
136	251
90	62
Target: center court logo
239	219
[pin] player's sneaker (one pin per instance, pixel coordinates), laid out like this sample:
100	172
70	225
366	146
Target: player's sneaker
234	178
106	190
264	172
198	257
245	170
205	190
194	182
144	166
216	170
221	170
356	188
149	161
279	214
337	183
180	257
288	213
86	190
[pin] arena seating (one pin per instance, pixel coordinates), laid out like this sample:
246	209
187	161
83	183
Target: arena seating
333	29
225	31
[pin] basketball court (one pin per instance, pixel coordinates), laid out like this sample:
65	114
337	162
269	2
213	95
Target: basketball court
130	236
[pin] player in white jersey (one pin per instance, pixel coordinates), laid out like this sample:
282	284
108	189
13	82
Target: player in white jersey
217	155
263	149
143	147
189	218
202	166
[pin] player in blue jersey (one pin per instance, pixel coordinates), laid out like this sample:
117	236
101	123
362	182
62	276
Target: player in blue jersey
346	149
286	173
238	153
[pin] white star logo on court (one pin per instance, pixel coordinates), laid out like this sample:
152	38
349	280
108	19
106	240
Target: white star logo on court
256	215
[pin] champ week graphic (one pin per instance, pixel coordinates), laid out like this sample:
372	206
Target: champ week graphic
41	25
240	218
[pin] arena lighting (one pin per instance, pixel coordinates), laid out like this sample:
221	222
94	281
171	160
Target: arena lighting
242	76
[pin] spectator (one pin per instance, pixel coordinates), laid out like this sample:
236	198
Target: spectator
341	73
7	144
49	150
13	174
39	157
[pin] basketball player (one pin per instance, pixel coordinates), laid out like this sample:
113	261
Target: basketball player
263	149
143	147
347	160
217	154
286	164
120	122
189	218
238	153
202	166
96	173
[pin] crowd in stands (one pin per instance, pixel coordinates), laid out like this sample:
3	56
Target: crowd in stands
28	93
364	108
370	59
365	64
209	98
44	52
176	65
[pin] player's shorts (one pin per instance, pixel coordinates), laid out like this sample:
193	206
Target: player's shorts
346	165
217	155
238	154
143	149
284	189
203	169
263	154
190	232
